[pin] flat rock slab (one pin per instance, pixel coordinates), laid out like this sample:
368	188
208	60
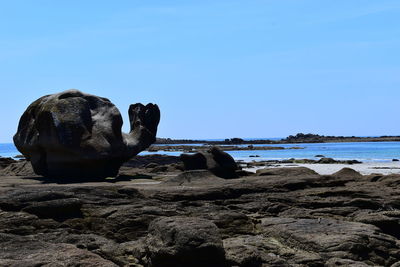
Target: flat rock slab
27	251
333	238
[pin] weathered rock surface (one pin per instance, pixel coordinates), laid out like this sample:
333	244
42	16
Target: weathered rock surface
215	160
283	219
19	168
73	134
27	251
295	171
184	241
4	162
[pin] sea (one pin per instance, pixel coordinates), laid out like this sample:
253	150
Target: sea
362	151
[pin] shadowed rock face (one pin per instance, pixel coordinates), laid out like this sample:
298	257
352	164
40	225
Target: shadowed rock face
73	134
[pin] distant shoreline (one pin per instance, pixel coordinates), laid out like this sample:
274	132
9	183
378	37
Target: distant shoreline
296	139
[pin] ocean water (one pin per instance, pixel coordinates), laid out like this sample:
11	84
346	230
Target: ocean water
363	151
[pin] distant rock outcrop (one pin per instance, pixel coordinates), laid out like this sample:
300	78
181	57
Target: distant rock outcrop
73	134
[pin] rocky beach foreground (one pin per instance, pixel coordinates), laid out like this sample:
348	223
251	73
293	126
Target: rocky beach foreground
156	213
78	198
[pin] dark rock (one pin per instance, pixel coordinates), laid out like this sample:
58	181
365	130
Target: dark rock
275	220
319	156
184	241
4	162
27	251
21	199
231	223
143	161
387	221
347	173
351	161
327	161
73	134
19	168
252	251
58	209
292	171
193	177
241	251
215	160
197	161
395	160
334	262
332	238
242	173
151	165
159	169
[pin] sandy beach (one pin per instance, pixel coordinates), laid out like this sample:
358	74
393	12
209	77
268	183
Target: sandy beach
365	168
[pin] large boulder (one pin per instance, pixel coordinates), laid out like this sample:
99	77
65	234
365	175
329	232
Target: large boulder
184	241
215	160
73	134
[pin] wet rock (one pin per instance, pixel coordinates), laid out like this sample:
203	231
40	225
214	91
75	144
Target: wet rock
184	241
73	134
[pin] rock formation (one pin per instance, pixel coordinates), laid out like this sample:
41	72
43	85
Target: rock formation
215	160
73	134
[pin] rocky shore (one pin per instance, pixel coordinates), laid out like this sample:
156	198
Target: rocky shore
157	214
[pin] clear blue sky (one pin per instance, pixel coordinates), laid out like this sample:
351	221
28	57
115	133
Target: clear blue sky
216	68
